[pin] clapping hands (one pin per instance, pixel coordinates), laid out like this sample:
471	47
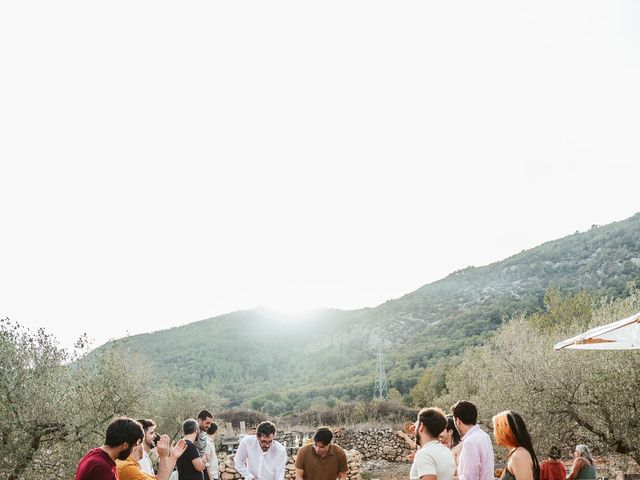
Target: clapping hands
165	449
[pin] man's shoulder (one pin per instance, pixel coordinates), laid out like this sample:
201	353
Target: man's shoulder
478	435
96	464
278	446
130	470
304	451
97	457
248	439
435	450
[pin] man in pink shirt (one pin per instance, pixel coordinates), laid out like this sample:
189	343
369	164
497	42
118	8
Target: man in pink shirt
476	457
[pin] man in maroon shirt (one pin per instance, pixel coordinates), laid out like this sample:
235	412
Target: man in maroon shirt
100	463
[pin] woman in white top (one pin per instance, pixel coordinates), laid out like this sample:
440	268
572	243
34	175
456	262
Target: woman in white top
433	460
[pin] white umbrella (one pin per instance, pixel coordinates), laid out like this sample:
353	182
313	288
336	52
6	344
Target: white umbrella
621	335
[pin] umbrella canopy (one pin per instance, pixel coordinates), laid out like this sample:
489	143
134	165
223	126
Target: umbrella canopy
621	335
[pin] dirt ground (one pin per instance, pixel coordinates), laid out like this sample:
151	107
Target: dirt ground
383	470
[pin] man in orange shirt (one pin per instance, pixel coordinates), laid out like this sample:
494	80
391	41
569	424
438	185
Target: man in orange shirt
130	469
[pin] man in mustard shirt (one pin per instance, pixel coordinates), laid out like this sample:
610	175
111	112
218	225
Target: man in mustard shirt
129	469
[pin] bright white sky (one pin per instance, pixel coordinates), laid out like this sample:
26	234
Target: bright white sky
164	162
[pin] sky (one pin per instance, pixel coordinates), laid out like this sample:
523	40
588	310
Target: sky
163	162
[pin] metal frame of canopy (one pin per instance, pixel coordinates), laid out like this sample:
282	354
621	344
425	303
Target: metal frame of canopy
621	335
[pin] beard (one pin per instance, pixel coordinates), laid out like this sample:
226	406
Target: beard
123	455
418	440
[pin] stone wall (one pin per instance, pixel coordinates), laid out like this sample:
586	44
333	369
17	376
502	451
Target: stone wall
375	443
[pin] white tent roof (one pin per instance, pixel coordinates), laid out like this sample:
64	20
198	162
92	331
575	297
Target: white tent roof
621	335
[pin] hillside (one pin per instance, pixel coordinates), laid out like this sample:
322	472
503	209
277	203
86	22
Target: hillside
281	363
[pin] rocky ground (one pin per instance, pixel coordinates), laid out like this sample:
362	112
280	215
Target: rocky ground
384	470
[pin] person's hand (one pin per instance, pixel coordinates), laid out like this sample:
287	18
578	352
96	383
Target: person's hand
179	448
163	446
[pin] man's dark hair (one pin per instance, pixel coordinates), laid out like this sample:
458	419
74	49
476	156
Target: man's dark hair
212	429
123	430
204	414
265	429
323	435
433	420
189	426
466	412
146	423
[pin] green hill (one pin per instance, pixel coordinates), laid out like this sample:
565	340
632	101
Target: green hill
281	363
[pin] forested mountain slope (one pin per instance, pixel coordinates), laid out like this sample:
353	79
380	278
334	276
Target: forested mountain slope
283	363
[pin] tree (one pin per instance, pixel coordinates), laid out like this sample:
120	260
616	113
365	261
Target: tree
51	400
170	406
565	397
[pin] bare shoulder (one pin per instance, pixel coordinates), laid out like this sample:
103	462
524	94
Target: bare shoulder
521	453
521	457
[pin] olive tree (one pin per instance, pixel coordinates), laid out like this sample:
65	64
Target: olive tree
566	396
54	405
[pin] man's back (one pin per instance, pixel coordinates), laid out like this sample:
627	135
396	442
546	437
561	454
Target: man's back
476	457
96	465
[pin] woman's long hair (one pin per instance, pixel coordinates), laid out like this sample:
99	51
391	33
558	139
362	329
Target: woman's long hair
510	431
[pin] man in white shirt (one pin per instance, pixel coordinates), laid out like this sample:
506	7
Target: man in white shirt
259	456
433	461
476	456
148	444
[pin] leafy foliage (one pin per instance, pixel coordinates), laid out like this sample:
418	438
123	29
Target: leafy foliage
567	397
47	403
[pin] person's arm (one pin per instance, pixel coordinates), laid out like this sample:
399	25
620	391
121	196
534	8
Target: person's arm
410	443
343	466
300	463
575	469
240	461
198	464
168	456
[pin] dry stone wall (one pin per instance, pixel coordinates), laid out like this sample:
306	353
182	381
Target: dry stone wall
375	443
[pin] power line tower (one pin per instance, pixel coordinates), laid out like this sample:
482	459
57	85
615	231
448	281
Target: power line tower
381	390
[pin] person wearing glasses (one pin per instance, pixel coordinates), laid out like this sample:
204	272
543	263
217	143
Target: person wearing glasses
259	456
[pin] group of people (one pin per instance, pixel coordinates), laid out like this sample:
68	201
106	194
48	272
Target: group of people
127	450
447	446
126	454
450	446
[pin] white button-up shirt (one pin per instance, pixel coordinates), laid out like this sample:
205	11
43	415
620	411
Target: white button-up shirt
251	462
